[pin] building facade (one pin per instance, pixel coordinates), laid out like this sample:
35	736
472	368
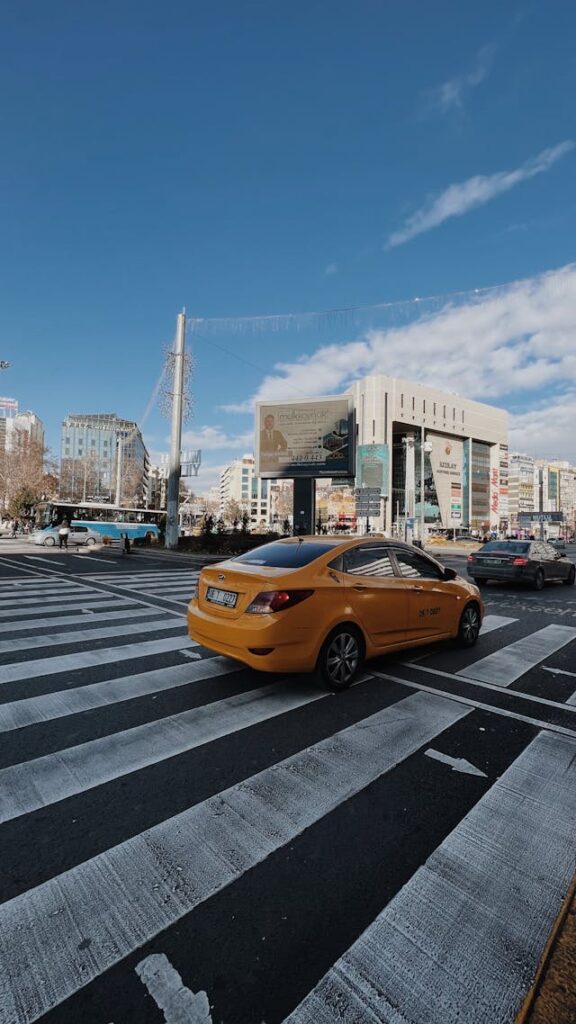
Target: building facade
103	458
239	485
440	460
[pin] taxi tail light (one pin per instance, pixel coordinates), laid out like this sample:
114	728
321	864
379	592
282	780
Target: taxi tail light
520	561
471	558
277	600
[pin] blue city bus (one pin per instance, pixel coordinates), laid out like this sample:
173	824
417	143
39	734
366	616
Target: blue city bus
140	525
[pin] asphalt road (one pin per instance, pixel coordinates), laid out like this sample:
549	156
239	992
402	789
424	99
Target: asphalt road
183	840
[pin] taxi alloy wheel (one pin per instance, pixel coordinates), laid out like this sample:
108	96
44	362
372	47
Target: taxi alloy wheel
469	626
340	658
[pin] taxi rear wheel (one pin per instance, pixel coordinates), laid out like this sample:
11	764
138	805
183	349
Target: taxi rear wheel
469	627
340	658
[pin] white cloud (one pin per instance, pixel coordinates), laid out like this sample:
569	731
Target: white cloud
450	94
516	339
457	199
212	438
546	431
330	269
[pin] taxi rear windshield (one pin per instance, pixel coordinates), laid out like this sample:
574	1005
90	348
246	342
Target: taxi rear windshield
511	546
286	556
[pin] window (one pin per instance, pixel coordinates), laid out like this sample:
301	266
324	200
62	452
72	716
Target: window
462	415
434	408
401	401
368	561
415	566
444	413
287	555
453	414
413	404
424	406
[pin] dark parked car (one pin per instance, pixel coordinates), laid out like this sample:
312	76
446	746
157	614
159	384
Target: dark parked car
521	561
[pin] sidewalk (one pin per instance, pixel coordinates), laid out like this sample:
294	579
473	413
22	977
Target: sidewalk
553	999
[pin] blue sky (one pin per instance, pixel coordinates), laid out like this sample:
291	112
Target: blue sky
243	158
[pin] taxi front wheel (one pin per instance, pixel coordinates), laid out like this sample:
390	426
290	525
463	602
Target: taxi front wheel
341	655
469	627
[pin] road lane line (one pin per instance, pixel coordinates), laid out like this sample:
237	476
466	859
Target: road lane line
487	686
80	636
502	712
129	894
505	666
91	659
178	1003
64	622
462	939
18	714
7	616
36	558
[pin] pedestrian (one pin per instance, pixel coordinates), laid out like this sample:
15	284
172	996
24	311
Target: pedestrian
126	544
63	531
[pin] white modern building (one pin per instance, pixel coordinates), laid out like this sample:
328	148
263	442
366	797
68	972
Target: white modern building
239	484
440	460
19	430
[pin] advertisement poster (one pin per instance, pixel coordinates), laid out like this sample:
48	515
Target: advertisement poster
372	466
308	438
446	459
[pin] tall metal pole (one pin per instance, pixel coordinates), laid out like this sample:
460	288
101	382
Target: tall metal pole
176	435
422	506
119	472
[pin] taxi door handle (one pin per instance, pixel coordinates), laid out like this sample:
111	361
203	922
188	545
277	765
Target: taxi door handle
420	590
358	586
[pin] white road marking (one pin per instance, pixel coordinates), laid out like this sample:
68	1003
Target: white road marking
505	666
559	671
63	611
48	706
488	686
462	939
492	622
46	780
90	659
51	561
127	895
190	654
178	1003
457	764
502	712
63	622
58	638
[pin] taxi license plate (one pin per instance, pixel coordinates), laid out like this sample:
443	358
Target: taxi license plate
494	561
223	597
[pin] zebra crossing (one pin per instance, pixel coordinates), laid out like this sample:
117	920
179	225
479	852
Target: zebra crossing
290	853
175	585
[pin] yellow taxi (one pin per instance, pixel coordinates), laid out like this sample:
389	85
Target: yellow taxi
322	604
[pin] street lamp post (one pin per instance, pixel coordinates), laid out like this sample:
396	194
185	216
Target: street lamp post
409	486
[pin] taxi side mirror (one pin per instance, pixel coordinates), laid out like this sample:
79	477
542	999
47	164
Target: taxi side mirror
450	574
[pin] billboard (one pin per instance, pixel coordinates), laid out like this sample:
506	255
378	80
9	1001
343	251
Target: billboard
447	462
312	437
372	466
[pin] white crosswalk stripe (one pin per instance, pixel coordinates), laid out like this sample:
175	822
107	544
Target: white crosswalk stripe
174	586
475	887
173	867
497	879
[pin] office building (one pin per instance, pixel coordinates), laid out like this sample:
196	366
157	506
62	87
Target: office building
103	458
240	485
439	460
